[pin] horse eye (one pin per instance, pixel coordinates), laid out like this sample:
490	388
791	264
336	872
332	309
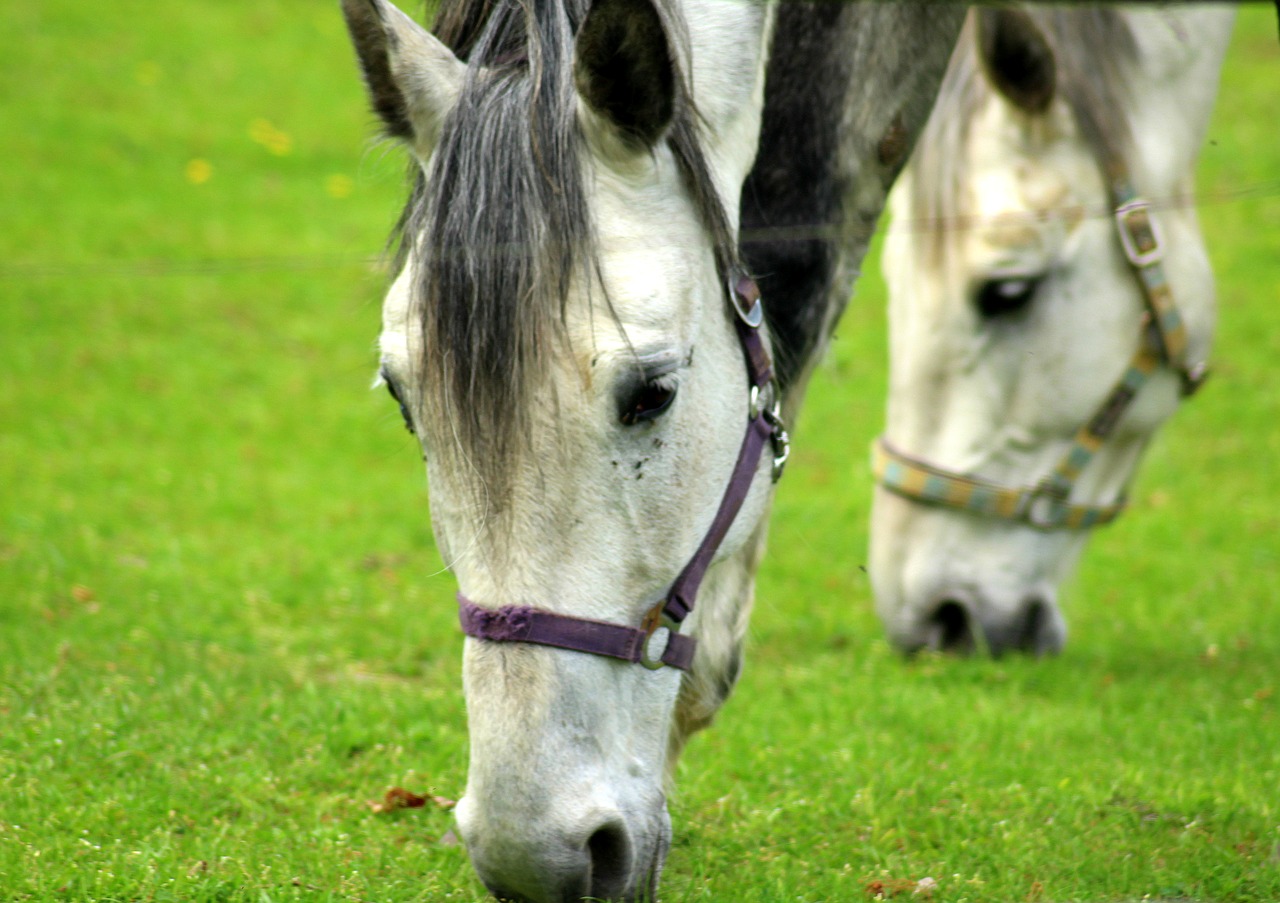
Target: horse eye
404	411
646	403
1001	297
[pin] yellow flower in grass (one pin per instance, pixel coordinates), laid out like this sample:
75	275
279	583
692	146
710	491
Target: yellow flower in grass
338	186
275	140
199	171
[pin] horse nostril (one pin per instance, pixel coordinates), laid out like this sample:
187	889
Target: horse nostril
610	853
950	628
1033	623
1041	632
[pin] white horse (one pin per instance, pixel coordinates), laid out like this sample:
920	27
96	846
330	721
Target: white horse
567	336
1051	302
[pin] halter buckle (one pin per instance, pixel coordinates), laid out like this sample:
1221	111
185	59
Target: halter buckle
1041	507
656	619
764	403
1139	235
780	439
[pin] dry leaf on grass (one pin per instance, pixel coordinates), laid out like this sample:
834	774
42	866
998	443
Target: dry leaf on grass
885	888
399	798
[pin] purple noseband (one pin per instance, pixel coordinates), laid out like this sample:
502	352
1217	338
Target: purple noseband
523	624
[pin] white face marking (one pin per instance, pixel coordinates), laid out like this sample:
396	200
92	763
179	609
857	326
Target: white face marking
1002	395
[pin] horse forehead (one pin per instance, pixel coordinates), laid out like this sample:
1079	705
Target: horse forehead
1029	186
646	320
654	259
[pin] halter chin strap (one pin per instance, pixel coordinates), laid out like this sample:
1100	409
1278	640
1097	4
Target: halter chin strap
1046	505
524	624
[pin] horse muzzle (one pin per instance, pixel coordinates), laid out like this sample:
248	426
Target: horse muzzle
964	623
603	854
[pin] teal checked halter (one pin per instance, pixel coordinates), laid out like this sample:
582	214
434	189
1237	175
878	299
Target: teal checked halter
1046	505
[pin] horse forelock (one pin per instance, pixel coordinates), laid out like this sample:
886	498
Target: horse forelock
1091	49
502	226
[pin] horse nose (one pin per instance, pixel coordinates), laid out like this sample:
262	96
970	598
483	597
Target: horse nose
962	627
609	852
598	864
1040	630
1034	627
950	628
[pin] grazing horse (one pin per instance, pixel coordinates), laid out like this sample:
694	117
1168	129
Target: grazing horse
574	336
1051	302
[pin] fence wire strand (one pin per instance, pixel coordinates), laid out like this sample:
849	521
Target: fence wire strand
228	266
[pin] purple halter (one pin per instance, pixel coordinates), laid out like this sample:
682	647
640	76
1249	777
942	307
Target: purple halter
524	624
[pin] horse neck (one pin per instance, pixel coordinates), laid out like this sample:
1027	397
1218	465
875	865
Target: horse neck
848	89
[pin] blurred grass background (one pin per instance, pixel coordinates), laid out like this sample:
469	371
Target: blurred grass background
224	630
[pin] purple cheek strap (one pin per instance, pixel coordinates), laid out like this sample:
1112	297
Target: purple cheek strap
524	624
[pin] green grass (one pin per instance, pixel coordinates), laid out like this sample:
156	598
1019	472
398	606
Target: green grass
222	626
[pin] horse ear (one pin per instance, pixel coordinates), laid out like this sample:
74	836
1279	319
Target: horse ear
413	79
1017	57
623	68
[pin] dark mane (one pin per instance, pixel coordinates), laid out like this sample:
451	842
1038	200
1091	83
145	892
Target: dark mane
1091	47
842	80
501	227
791	223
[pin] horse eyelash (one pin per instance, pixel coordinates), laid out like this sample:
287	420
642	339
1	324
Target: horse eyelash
667	382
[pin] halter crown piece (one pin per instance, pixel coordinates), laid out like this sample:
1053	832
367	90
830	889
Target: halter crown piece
525	624
1045	505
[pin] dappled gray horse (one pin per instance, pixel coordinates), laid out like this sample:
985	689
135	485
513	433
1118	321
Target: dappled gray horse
1051	302
578	343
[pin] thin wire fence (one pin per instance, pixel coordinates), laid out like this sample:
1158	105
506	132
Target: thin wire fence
225	266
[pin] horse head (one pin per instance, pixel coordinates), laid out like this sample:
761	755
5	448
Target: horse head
1043	233
563	341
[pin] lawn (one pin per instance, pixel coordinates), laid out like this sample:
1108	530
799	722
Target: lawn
225	633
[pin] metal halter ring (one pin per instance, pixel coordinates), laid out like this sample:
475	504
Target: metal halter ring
657	619
747	303
1041	506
